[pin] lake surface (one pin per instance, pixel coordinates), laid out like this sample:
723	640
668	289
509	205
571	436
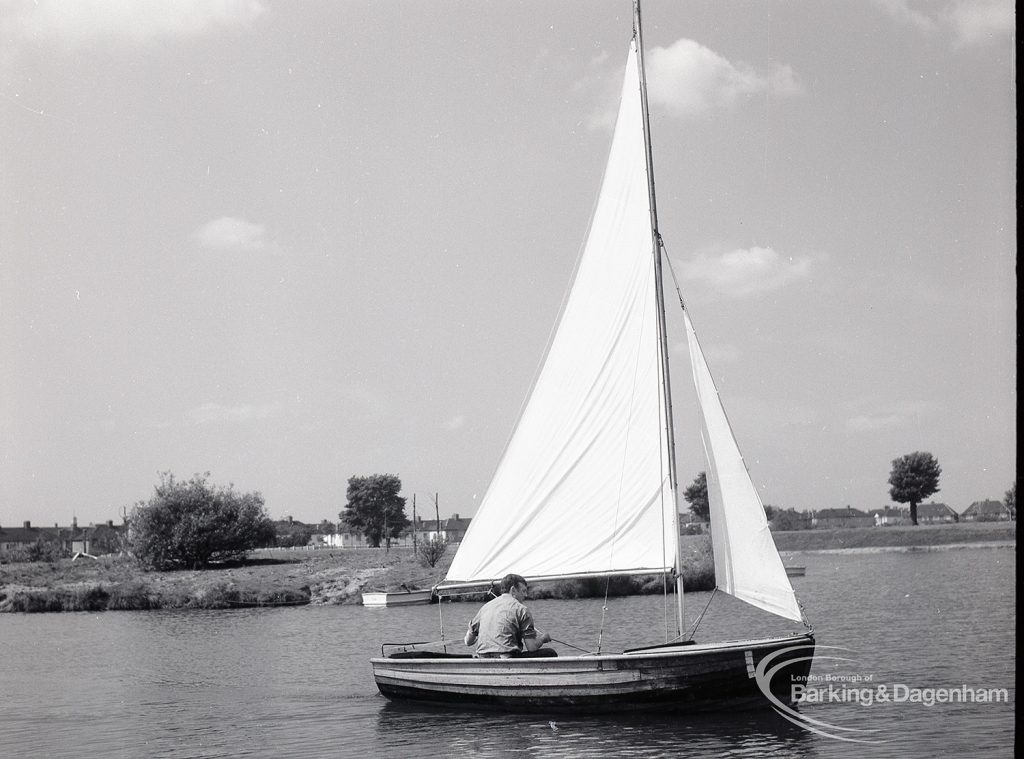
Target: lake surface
297	681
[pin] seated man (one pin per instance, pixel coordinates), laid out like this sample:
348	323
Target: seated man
503	628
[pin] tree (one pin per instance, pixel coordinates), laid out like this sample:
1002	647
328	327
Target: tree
375	509
914	477
785	520
697	496
291	534
193	524
1011	501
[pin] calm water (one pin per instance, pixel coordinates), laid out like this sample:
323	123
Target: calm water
297	682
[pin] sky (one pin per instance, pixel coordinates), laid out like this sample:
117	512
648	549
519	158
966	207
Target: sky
292	243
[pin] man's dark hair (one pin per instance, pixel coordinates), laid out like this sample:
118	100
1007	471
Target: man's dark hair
510	581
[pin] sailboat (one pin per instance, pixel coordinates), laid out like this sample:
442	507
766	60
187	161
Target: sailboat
587	487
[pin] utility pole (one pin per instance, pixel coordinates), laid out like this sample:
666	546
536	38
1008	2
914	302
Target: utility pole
414	546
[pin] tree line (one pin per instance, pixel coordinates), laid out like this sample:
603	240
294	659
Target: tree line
913	478
193	523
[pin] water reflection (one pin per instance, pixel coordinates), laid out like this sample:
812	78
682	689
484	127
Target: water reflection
403	729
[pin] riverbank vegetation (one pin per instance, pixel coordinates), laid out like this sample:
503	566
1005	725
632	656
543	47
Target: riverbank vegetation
339	576
195	524
902	536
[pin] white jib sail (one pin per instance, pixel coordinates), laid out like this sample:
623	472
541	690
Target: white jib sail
583	485
747	563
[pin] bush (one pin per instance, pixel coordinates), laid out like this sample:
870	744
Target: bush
40	550
86	597
193	524
431	551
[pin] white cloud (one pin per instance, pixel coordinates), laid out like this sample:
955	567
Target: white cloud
79	22
783	81
215	412
228	233
902	12
689	79
745	272
978	21
887	416
454	423
686	79
969	22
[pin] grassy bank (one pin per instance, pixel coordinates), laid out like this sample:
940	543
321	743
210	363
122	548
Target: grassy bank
902	536
267	578
271	578
339	576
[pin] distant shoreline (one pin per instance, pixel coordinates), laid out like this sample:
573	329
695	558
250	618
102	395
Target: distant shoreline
909	549
902	536
326	576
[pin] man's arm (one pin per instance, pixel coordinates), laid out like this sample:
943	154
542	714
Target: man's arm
536	641
472	633
532	637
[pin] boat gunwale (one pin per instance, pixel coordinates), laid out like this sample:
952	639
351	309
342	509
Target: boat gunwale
533	662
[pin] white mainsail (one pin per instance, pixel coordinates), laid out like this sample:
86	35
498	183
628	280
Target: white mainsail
583	486
747	563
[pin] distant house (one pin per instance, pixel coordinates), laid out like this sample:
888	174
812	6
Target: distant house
94	539
987	511
936	513
343	538
98	539
890	515
453	529
16	537
788	520
828	519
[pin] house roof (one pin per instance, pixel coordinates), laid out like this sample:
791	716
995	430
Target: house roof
18	534
31	534
934	510
847	513
74	532
451	524
891	511
986	508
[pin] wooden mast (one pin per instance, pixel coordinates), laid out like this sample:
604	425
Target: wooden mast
660	294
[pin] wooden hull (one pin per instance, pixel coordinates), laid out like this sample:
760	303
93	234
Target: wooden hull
397	598
689	678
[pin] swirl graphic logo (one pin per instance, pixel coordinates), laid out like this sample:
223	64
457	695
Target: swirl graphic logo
770	666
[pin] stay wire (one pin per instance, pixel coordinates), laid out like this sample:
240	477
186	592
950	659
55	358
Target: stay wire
697	623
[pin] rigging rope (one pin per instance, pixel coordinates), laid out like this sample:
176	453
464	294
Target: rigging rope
570	645
697	623
675	280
